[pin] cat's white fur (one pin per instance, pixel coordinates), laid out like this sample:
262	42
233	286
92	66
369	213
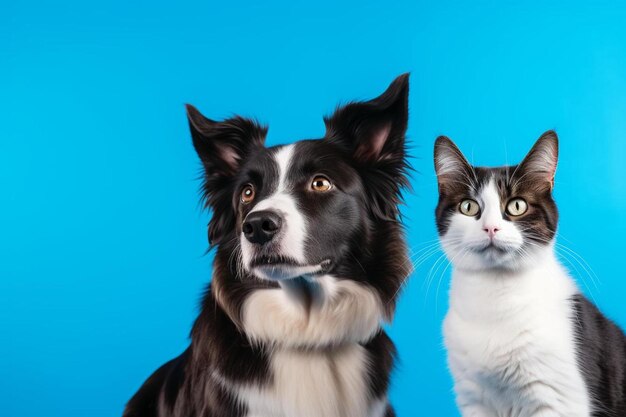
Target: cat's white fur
509	331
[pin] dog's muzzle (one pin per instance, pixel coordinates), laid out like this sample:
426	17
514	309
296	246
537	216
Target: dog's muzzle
260	227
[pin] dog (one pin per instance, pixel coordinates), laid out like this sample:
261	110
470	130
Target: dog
309	259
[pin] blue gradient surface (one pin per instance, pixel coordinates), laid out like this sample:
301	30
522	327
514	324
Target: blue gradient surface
102	240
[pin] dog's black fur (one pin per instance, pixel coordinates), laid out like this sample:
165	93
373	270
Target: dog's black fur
357	233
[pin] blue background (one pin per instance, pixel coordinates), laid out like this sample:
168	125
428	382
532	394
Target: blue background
102	237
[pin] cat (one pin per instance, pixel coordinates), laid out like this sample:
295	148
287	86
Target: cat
522	340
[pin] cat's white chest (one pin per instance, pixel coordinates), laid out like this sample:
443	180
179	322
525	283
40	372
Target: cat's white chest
313	384
511	346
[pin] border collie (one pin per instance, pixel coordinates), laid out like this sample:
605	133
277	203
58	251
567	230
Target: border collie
310	257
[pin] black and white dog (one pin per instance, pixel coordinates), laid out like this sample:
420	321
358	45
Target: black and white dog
310	258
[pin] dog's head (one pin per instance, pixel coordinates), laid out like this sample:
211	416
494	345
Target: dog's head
314	208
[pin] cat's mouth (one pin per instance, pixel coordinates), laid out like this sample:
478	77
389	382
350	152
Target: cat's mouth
491	248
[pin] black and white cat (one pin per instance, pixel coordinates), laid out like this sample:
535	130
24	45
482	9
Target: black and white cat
522	340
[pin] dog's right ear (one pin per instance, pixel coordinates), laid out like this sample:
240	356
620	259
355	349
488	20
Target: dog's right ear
222	147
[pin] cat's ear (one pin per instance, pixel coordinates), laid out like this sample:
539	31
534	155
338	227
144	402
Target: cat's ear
539	166
222	146
451	167
374	130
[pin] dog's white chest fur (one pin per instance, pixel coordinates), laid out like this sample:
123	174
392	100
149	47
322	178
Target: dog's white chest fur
328	378
314	384
511	345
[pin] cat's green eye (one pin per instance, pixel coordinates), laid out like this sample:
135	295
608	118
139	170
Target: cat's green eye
469	207
517	207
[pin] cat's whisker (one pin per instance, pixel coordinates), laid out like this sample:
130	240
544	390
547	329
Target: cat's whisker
426	257
430	277
567	253
506	333
421	252
578	256
578	274
422	255
441	276
572	261
450	262
421	246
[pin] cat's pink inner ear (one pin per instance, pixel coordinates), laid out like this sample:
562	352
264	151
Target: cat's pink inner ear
450	164
547	160
544	160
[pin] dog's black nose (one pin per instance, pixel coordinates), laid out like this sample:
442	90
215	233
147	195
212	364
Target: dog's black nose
261	226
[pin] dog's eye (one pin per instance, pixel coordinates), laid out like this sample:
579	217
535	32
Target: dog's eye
321	184
247	194
469	207
517	207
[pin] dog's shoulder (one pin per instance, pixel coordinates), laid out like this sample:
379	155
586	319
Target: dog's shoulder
161	388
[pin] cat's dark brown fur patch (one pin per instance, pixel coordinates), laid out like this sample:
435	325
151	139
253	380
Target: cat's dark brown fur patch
531	180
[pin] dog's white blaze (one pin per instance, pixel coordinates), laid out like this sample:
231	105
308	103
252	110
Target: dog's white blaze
344	311
328	383
283	160
294	226
293	233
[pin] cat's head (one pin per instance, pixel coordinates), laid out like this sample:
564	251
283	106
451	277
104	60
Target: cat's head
496	218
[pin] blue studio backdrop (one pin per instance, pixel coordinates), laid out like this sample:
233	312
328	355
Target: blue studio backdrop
102	237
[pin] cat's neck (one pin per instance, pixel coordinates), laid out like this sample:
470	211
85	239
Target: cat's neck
495	293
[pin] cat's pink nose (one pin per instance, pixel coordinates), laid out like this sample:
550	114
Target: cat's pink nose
491	231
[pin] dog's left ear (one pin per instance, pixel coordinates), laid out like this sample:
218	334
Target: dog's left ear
373	133
373	130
